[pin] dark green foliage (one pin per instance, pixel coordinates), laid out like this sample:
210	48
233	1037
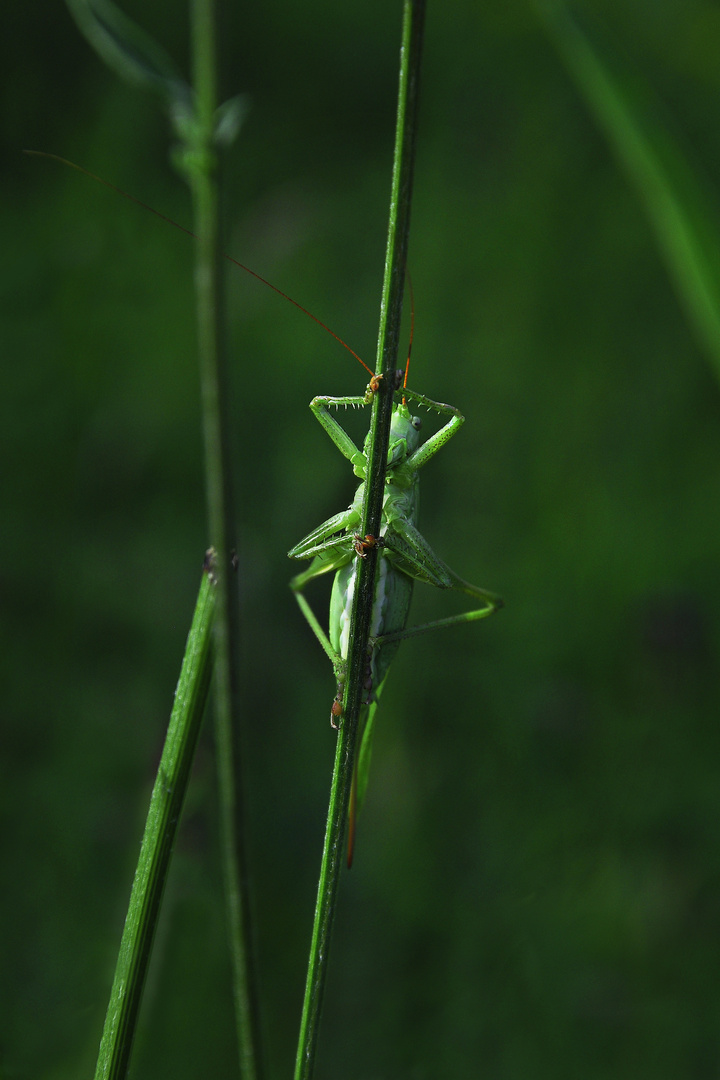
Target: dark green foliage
538	866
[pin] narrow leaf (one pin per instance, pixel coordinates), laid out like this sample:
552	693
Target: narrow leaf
129	50
153	861
229	118
682	214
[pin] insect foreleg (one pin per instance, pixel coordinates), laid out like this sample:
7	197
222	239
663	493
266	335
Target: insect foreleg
431	446
321	410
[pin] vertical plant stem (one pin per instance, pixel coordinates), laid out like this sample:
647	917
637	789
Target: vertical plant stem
162	819
390	316
202	172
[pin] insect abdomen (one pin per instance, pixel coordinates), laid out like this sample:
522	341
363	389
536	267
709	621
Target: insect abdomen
391	605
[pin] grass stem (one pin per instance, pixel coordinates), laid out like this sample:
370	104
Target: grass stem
201	170
389	332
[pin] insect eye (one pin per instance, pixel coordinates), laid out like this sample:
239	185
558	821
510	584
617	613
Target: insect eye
416	422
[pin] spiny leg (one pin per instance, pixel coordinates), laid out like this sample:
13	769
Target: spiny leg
321	411
431	446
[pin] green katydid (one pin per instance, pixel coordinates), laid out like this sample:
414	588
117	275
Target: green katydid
404	557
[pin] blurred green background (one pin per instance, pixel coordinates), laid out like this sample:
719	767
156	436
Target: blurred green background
536	889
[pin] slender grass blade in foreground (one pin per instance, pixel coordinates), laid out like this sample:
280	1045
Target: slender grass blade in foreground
163	815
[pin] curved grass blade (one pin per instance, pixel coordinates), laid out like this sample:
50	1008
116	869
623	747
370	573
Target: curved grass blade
160	827
681	212
129	50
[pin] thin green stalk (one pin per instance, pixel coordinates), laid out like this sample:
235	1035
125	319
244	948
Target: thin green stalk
201	125
162	819
389	334
202	172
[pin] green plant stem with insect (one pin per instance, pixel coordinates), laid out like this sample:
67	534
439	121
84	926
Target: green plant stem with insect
404	557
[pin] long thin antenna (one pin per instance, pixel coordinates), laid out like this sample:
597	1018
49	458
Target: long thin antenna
188	232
